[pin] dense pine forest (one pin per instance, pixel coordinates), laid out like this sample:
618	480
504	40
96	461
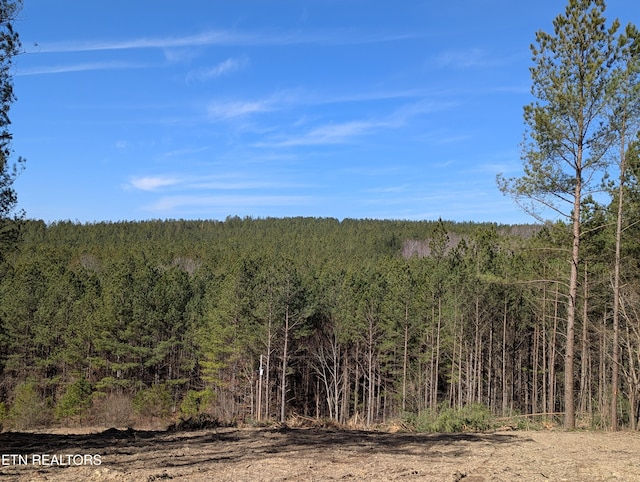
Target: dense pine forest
255	319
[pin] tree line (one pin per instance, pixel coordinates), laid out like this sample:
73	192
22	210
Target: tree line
262	318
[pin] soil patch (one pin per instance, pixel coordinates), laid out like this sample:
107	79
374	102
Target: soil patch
318	454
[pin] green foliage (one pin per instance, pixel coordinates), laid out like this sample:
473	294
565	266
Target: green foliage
10	46
28	409
75	400
182	304
565	143
153	402
470	418
196	402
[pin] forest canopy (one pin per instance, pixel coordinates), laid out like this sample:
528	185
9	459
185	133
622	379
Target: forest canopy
359	319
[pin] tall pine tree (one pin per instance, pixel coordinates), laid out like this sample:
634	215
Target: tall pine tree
565	144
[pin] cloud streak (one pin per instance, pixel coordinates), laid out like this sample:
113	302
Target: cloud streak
171	203
328	134
152	183
223	68
222	38
230	181
231	109
464	59
80	67
339	133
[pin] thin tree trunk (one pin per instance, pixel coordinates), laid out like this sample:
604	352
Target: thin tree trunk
460	365
490	369
536	354
632	380
344	415
404	357
285	354
478	356
602	381
504	361
336	376
267	387
545	385
552	356
428	390
356	388
436	372
370	374
584	357
569	403
260	373
616	293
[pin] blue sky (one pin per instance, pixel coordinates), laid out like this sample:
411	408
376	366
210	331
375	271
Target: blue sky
201	109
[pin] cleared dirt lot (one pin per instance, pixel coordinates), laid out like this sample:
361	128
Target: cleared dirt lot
253	454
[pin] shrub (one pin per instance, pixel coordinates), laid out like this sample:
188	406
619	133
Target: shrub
153	402
195	402
470	418
75	400
111	409
28	410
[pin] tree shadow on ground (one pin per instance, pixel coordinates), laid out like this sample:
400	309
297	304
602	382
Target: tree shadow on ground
127	449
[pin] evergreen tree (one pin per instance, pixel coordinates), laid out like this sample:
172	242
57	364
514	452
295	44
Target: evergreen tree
9	48
566	144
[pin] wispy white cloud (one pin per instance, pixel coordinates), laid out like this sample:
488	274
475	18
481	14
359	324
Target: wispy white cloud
171	203
79	67
226	67
152	183
220	109
463	59
213	37
338	133
405	113
224	182
224	37
476	57
227	109
181	54
231	109
390	189
238	185
187	151
328	134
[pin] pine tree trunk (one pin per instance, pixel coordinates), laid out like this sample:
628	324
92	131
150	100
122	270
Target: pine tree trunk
552	356
545	345
584	349
460	365
371	382
404	356
569	402
344	411
616	294
283	379
436	371
504	361
536	354
602	378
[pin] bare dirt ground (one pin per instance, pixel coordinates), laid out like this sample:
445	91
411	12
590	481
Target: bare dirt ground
255	454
